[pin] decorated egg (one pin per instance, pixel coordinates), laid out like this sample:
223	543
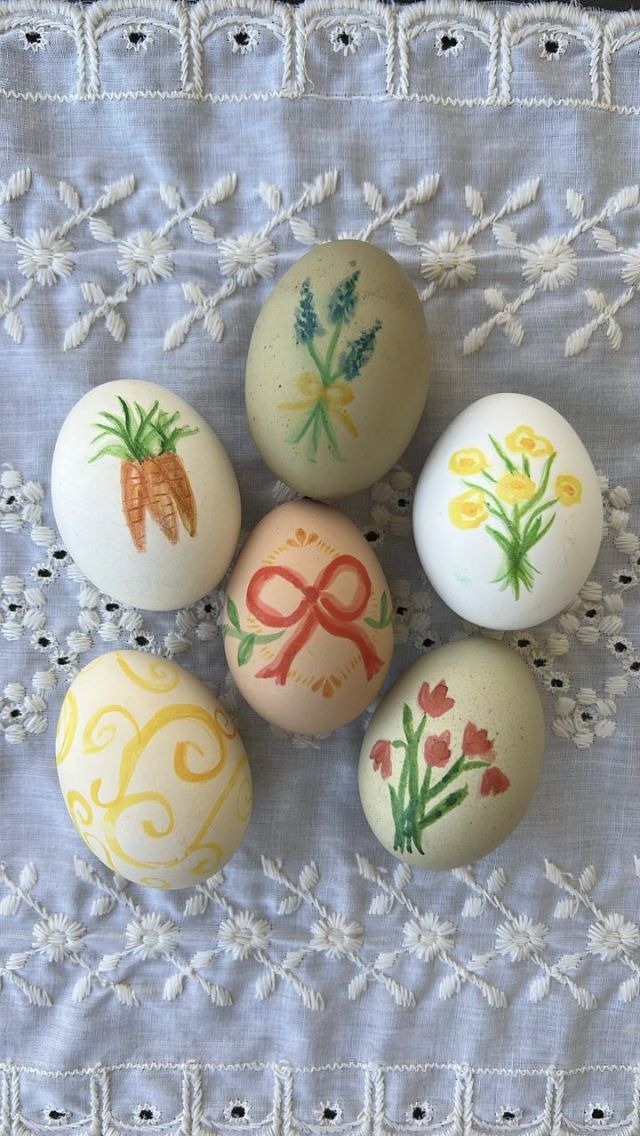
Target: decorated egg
451	758
337	370
308	628
152	770
507	515
144	496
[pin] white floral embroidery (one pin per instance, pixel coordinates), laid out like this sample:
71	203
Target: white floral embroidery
57	937
34	38
138	37
237	1112
151	936
612	937
549	263
345	39
553	45
449	43
243	38
247	258
146	1113
448	261
146	257
521	938
242	935
419	1113
336	936
43	257
597	1115
427	936
328	1112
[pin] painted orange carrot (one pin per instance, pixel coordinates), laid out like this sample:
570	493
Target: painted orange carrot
133	502
177	481
152	476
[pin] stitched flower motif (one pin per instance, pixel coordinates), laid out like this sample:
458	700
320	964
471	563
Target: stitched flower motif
151	936
328	1112
237	1111
568	489
524	440
243	38
44	257
449	43
427	935
448	261
57	937
345	39
549	262
146	257
520	938
247	258
138	38
146	1113
243	933
611	937
494	782
435	702
34	39
336	936
514	488
465	462
437	749
469	510
477	742
381	758
553	45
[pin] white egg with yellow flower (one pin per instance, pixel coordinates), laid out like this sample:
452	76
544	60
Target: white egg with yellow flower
153	772
507	515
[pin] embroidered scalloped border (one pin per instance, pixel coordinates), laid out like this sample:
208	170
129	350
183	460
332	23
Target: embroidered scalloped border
498	30
283	1121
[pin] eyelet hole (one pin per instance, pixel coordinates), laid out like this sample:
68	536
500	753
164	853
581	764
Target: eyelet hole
447	42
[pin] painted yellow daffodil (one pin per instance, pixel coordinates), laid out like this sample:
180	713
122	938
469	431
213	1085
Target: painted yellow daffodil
469	461
469	510
568	489
514	488
524	440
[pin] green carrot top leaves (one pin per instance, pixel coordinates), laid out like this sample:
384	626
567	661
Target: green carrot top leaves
138	434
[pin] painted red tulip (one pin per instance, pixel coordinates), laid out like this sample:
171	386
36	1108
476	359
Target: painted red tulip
477	743
435	702
437	749
494	782
381	758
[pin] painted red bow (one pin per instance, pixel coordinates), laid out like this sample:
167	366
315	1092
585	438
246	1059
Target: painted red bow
318	606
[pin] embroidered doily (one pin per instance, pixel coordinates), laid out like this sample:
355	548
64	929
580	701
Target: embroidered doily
162	166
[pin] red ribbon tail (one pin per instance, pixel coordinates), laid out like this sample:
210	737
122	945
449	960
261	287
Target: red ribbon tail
281	665
370	657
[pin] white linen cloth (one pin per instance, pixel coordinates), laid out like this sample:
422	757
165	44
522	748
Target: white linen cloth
494	152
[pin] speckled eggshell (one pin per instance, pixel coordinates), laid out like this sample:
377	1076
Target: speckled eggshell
152	770
337	370
456	746
307	628
507	515
157	533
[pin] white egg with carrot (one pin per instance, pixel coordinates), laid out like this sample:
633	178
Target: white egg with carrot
144	495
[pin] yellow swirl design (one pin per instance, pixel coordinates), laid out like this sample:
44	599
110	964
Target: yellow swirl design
79	808
244	801
159	679
67	726
97	736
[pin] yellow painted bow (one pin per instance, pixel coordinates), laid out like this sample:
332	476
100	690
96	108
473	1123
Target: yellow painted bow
335	398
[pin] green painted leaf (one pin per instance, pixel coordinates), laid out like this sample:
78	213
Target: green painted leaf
306	320
112	451
245	650
358	352
407	721
232	612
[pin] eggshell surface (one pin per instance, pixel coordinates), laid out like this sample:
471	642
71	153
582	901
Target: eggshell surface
152	770
144	496
507	515
308	625
337	369
452	756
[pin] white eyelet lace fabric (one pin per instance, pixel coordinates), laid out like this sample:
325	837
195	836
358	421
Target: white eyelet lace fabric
162	165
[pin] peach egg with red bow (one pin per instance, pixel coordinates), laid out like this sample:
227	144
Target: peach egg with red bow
452	756
308	623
